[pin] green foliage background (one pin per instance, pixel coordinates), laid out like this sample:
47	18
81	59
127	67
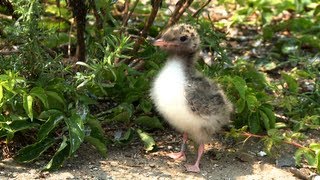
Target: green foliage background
42	94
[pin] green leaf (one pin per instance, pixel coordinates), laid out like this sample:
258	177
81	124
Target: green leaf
76	131
240	104
240	85
265	120
270	114
96	129
22	125
145	105
149	143
149	122
310	157
98	144
252	102
27	105
315	147
291	82
254	123
280	125
40	93
48	113
1	93
298	156
50	124
55	100
60	156
122	117
33	151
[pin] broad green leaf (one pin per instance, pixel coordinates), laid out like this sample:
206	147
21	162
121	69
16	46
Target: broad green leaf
1	92
252	102
149	143
60	156
96	129
48	126
48	113
291	82
40	93
27	105
33	151
98	144
240	85
254	123
76	131
310	157
298	156
280	125
22	125
145	105
149	122
127	137
240	105
315	147
58	100
270	114
265	120
122	117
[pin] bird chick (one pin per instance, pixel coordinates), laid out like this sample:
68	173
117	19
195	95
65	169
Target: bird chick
191	103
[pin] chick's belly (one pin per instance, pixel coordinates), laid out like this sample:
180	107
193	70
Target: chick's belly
183	120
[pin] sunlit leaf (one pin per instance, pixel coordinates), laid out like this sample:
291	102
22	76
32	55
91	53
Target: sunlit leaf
49	125
40	93
149	143
60	156
27	105
76	131
1	93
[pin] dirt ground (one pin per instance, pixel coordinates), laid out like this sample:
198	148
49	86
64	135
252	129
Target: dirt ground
223	159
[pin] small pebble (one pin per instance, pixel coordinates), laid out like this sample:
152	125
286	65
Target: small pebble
262	153
152	165
170	147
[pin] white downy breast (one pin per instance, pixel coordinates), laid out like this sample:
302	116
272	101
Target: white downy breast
168	95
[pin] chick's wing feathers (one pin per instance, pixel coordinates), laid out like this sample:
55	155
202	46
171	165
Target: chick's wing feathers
204	97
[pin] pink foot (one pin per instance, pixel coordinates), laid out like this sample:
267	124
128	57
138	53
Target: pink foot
181	156
192	168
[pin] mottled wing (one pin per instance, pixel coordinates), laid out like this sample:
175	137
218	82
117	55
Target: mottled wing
204	97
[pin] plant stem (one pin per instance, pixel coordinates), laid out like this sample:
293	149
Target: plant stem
247	134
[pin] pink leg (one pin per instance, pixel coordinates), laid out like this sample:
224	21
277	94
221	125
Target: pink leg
180	155
195	167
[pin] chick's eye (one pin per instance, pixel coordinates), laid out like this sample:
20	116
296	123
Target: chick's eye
183	38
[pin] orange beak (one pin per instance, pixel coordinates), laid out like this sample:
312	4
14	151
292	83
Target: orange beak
160	42
165	44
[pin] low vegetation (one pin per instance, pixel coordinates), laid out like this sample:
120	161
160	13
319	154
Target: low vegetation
70	70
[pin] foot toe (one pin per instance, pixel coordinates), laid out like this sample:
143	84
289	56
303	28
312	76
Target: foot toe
192	168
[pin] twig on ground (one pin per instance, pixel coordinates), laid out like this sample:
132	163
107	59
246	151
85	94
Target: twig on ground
247	134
